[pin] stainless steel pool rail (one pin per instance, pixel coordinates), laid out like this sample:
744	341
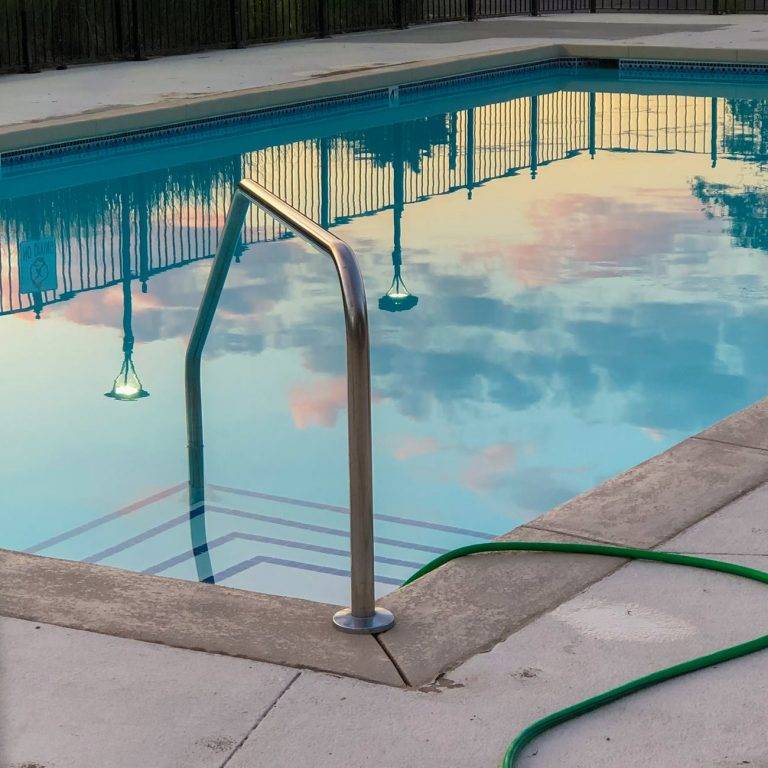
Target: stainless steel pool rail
363	617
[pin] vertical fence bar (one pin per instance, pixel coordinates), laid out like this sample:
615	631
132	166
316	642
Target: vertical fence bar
592	123
470	159
61	57
401	14
325	175
137	28
534	7
237	27
713	142
716	7
534	137
322	18
29	49
593	6
471	10
121	28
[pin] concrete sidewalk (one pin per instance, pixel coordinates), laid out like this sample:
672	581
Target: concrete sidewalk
77	699
94	88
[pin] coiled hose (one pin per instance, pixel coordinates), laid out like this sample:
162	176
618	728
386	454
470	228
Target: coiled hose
588	705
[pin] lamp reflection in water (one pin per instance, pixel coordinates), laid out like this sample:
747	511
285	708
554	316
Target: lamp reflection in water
398	298
127	386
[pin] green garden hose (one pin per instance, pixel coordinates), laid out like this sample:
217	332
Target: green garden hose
545	723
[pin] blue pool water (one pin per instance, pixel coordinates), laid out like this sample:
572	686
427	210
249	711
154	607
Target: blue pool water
584	261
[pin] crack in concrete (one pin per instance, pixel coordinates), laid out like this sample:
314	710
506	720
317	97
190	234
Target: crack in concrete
728	442
260	720
391	657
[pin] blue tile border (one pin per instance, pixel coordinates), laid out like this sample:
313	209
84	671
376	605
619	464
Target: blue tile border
675	67
383	94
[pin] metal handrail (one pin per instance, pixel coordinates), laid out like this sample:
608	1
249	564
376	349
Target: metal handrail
363	616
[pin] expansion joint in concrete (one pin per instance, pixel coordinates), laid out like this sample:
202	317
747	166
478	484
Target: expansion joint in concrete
260	720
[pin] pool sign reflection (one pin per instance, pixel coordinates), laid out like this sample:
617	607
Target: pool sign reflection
37	265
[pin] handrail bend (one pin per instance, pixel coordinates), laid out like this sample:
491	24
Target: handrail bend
363	616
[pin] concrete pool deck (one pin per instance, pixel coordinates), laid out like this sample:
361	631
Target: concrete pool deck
483	646
86	101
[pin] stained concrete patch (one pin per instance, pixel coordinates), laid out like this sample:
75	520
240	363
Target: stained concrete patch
472	603
73	699
604	620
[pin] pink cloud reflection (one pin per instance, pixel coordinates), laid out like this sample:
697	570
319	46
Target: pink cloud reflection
318	403
410	447
488	468
582	230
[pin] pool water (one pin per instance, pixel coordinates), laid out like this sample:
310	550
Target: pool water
566	274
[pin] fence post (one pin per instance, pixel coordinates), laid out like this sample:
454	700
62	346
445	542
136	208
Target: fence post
471	10
138	30
28	45
237	29
401	14
534	7
715	7
322	18
593	6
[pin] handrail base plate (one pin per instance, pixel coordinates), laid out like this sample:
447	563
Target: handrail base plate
380	621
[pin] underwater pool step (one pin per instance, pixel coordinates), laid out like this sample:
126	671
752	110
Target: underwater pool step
253	540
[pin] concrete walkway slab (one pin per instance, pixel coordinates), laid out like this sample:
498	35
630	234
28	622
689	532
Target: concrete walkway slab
741	528
78	699
73	699
639	619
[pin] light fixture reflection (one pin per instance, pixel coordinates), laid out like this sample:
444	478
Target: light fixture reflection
398	298
127	385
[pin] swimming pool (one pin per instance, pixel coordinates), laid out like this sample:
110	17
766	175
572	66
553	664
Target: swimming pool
564	273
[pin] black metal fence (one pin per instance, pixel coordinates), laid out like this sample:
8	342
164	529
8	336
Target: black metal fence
36	34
